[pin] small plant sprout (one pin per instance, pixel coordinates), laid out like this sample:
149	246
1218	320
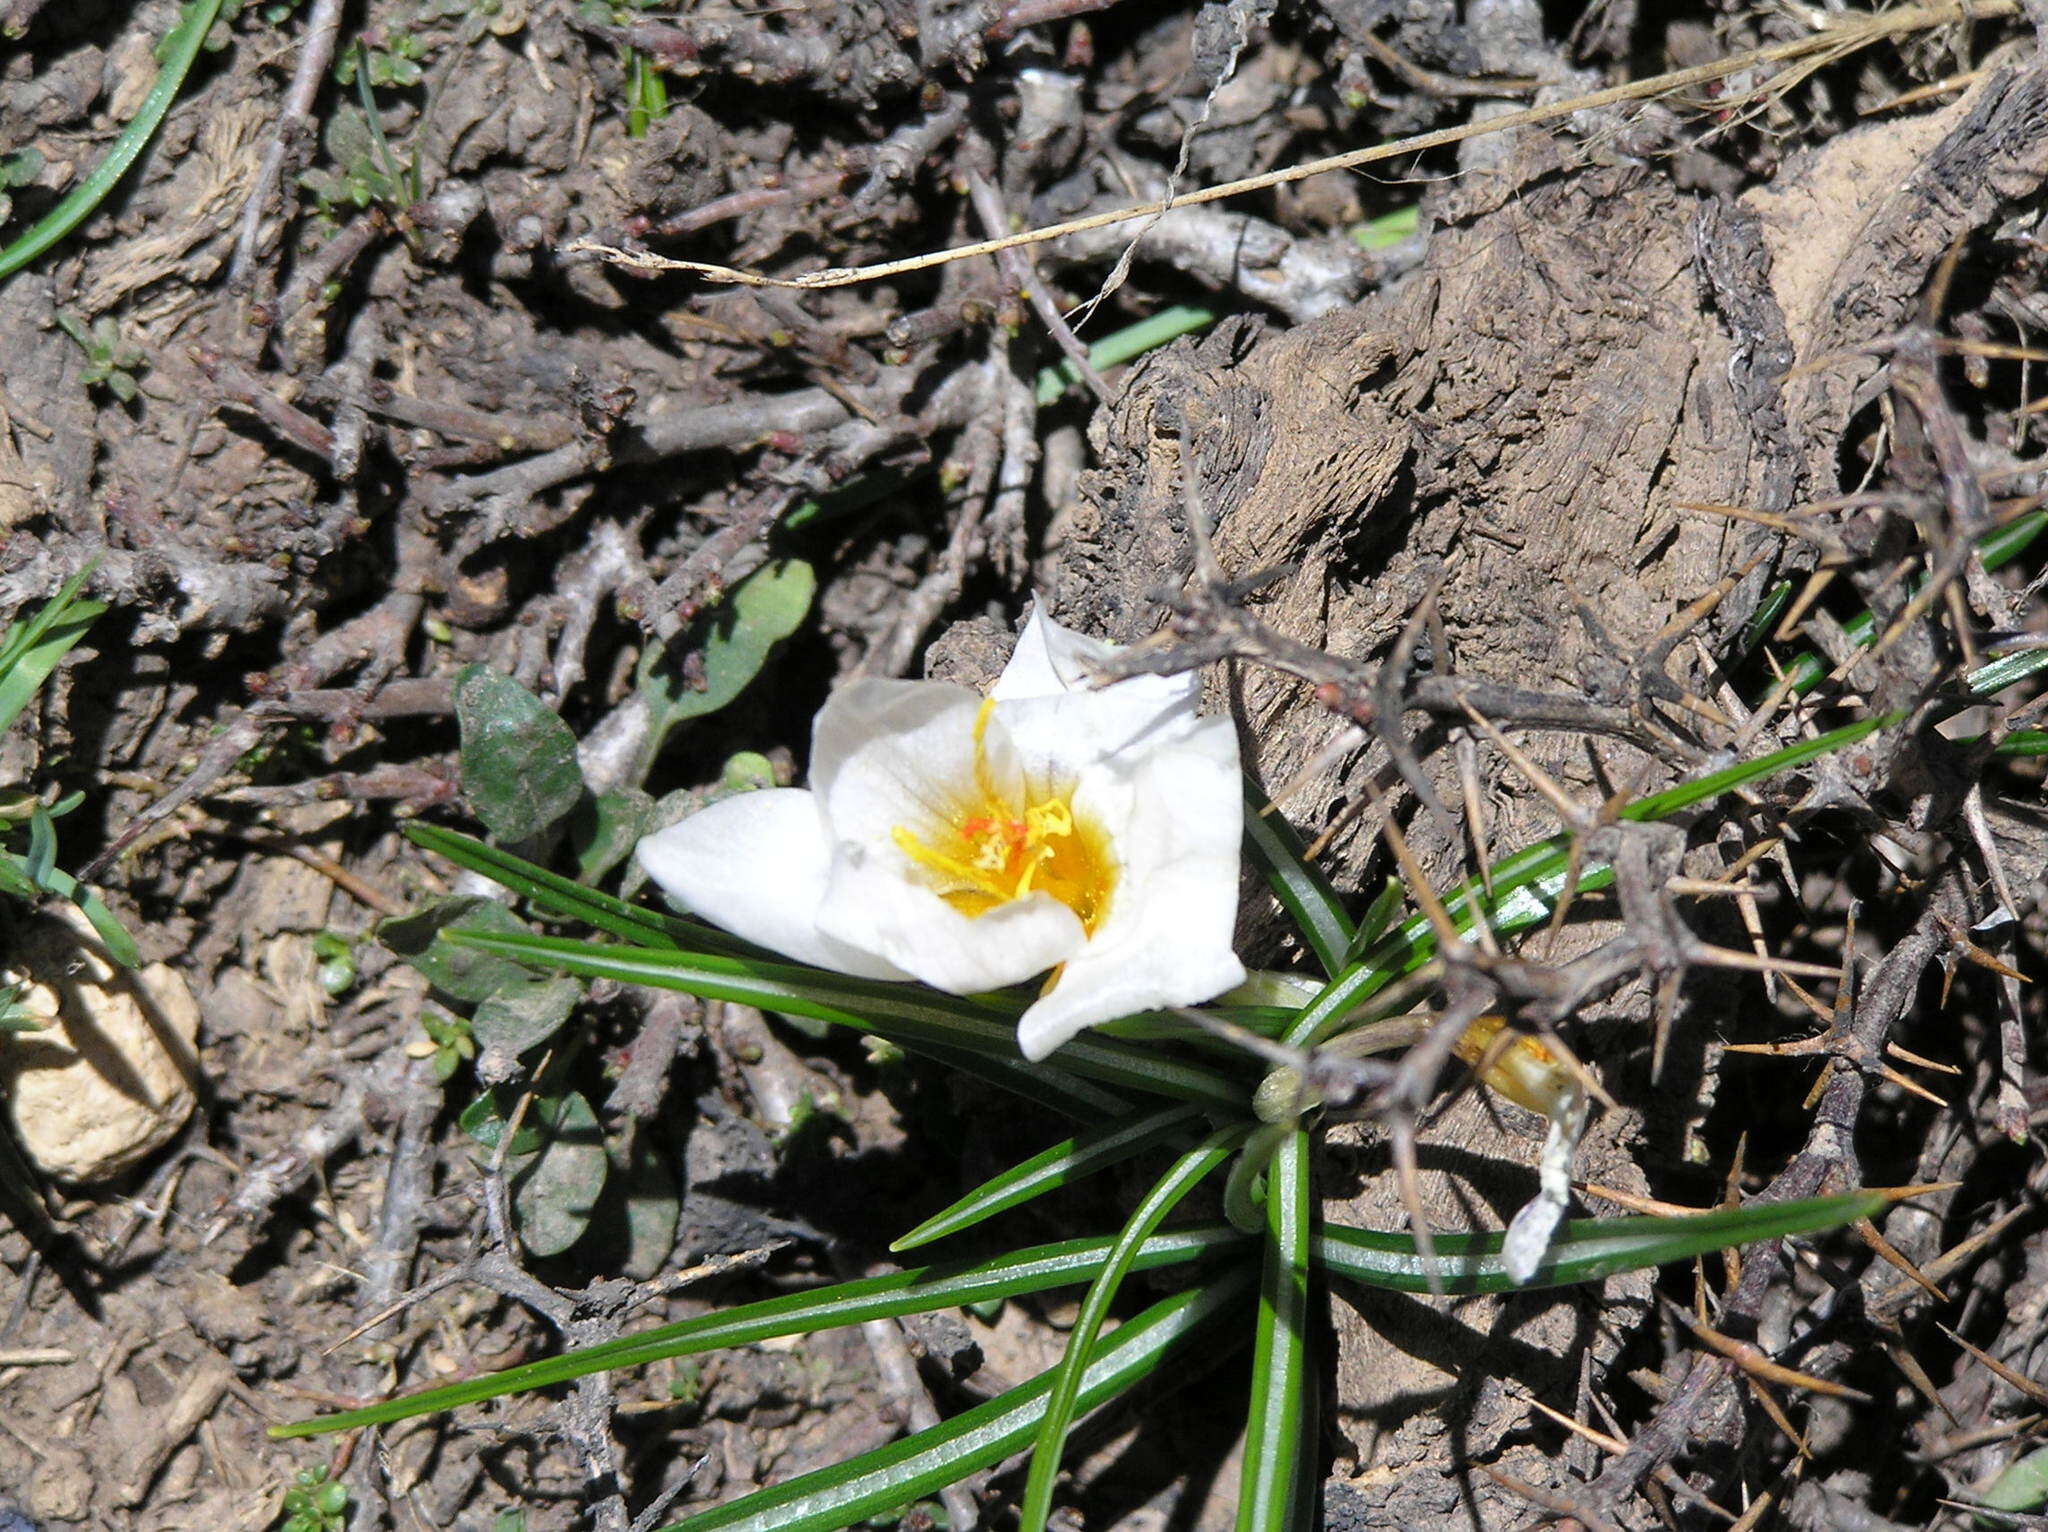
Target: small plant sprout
315	1503
975	843
111	361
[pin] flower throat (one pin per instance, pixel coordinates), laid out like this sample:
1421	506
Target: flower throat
989	852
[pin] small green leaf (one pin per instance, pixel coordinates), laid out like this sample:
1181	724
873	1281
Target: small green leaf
653	1209
485	1120
524	1013
556	1195
733	641
42	847
519	767
920	1290
2023	1486
460	972
605	829
1061	1165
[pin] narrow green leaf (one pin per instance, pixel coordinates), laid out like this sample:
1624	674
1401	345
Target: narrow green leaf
565	899
1120	346
1714	783
519	768
1526	885
1377	917
1063	1164
2007	670
1585	1250
902	1013
1273	1442
181	48
904	1471
112	934
42	847
1063	1399
1302	889
920	1290
957	1032
31	650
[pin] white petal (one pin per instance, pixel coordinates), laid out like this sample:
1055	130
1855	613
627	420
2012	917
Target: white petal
1175	816
907	749
875	902
756	865
1051	660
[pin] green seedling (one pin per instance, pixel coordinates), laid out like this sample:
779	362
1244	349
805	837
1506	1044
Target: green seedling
110	361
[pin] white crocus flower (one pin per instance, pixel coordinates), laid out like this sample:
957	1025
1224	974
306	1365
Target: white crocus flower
972	843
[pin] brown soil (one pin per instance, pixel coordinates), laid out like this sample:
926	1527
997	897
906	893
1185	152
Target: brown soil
381	432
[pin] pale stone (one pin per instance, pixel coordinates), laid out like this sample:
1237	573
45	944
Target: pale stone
110	1076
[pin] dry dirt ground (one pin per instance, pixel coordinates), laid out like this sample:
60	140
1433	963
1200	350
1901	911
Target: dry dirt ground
354	416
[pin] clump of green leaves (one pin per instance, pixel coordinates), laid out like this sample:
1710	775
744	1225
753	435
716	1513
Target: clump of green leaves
111	360
29	652
522	779
315	1503
393	61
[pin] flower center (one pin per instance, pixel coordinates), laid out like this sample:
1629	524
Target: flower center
990	851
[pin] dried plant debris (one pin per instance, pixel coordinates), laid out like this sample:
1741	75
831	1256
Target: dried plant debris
1502	484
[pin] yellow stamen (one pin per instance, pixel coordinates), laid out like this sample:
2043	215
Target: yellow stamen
989	851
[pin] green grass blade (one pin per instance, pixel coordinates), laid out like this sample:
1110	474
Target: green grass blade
112	934
1061	1165
2006	670
1714	783
920	1290
1378	915
1526	885
565	899
1273	1443
1120	346
1063	1400
920	1465
905	1014
1301	888
183	45
31	650
1585	1250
